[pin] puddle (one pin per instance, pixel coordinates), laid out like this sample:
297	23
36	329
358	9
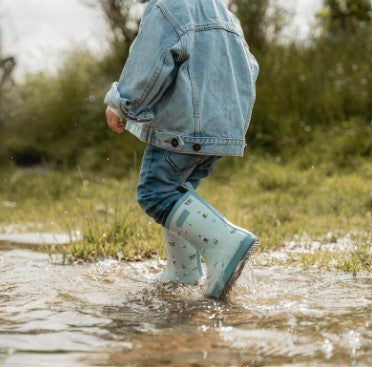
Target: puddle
38	238
303	244
113	314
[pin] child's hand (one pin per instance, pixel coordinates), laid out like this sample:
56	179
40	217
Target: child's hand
113	122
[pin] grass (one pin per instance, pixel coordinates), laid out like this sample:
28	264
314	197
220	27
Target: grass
277	200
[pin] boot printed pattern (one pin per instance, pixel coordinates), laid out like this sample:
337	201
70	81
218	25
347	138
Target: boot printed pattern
183	261
224	246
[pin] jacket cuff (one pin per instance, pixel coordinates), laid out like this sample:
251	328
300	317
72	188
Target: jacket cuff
115	101
116	111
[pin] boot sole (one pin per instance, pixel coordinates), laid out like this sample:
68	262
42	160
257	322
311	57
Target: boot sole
222	292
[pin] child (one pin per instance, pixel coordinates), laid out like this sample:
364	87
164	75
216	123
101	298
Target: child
187	89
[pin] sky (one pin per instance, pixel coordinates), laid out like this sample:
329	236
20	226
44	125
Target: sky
37	32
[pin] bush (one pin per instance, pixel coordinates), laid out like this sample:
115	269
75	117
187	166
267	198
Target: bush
301	88
305	91
61	119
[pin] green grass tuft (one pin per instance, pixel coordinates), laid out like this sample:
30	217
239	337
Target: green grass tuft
277	200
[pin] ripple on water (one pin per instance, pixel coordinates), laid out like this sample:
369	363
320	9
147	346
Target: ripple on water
113	313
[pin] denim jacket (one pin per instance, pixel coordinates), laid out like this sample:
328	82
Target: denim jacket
188	84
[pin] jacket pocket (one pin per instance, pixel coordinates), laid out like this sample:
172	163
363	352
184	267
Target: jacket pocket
182	162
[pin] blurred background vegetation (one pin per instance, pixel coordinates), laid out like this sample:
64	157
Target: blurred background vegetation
313	96
307	172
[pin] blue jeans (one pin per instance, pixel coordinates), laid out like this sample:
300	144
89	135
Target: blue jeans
163	172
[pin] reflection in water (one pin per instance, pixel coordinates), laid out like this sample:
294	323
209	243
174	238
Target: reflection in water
113	314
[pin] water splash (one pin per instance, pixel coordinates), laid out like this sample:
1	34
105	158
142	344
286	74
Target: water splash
114	313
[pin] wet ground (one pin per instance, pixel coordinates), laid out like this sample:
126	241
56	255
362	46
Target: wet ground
114	314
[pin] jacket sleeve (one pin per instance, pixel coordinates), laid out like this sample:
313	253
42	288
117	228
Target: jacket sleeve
150	68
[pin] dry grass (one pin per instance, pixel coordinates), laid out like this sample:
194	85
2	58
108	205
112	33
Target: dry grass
276	201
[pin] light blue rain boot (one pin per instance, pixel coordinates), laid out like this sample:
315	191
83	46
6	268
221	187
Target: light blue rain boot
224	246
183	261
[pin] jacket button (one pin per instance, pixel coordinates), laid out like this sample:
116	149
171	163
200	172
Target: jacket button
196	147
174	142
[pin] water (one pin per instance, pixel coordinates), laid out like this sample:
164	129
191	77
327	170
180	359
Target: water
113	314
38	238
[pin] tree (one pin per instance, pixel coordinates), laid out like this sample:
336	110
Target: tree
7	65
124	25
119	18
262	21
117	13
252	15
340	17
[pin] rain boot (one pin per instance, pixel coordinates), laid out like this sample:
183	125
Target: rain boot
183	261
224	246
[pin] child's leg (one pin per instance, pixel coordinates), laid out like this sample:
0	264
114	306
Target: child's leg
165	194
183	261
224	246
162	173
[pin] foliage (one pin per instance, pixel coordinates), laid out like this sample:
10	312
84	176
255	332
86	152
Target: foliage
345	16
261	20
61	119
118	16
303	88
279	200
300	88
253	18
7	64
